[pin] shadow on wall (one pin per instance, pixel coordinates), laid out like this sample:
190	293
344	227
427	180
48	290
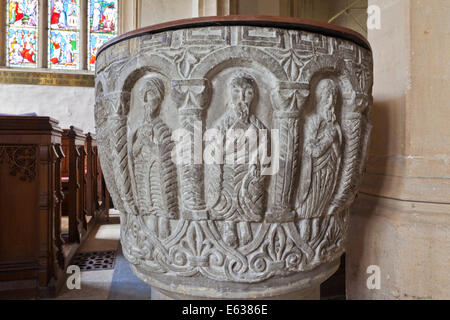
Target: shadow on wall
361	212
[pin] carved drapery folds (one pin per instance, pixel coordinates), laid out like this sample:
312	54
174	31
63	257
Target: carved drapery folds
233	221
155	179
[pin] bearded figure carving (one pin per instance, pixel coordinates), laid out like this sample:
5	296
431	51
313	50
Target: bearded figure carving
236	189
154	172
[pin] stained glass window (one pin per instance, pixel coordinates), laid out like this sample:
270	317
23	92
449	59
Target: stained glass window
102	26
64	14
22	22
64	25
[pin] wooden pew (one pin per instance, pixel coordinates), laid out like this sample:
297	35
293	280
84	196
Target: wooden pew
103	197
59	198
91	187
73	183
44	171
31	257
97	195
92	172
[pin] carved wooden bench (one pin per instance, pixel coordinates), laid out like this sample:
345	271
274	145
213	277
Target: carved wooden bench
73	182
31	257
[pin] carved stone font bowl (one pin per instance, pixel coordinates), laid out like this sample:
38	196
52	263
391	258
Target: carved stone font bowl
233	148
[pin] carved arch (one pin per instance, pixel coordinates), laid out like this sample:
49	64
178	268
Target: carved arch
322	64
152	62
129	82
351	126
327	65
227	55
100	79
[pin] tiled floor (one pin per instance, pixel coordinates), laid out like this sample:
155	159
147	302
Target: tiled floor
96	284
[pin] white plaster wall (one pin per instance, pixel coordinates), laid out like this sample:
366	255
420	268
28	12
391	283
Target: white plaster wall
157	11
69	105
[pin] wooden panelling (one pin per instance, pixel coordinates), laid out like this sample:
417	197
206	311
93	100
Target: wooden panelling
28	198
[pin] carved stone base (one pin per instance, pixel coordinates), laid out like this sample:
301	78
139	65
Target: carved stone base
301	286
311	293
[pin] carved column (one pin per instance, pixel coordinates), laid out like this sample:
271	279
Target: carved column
191	96
116	134
352	129
288	100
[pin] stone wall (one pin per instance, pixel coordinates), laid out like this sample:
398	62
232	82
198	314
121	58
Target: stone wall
401	221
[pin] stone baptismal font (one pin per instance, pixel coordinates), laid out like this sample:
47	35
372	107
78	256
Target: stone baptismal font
233	148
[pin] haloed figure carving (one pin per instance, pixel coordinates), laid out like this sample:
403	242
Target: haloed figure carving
236	188
154	171
321	159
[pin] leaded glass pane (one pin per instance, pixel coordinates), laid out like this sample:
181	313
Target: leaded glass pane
102	26
63	50
21	31
64	25
64	14
22	13
96	40
22	44
103	16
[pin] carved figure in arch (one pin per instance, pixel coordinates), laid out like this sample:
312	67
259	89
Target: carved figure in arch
235	190
154	172
321	160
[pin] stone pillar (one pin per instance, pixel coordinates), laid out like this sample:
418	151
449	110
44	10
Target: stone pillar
83	27
191	96
42	61
400	221
129	15
3	45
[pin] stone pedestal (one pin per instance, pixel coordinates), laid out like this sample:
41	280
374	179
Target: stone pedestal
308	293
233	147
303	285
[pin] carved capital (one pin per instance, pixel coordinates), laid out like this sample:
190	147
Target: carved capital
190	95
289	99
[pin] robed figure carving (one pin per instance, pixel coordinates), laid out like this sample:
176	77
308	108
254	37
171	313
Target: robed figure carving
235	187
321	154
154	171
